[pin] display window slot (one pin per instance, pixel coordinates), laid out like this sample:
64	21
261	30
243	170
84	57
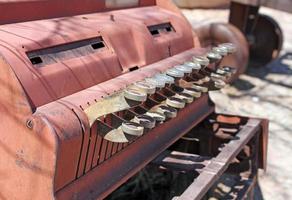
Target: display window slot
60	53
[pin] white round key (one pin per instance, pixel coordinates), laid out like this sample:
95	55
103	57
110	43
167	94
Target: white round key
231	48
132	128
215	76
175	73
228	69
187	98
135	95
219	84
145	87
193	92
175	102
159	117
167	111
184	68
223	72
203	61
215	57
166	78
145	121
200	88
194	66
220	50
158	83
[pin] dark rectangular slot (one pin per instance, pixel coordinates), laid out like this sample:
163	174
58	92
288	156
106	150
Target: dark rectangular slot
67	51
36	60
154	32
168	29
133	68
98	45
159	28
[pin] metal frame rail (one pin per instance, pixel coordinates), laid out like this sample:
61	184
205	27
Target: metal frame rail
214	167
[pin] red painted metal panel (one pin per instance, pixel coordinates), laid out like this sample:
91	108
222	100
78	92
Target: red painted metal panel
127	40
53	69
13	11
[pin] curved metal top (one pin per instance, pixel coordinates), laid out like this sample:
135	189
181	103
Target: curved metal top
13	11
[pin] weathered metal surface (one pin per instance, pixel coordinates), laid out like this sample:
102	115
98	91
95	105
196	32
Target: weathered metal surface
216	33
50	140
181	162
236	159
201	3
57	73
129	161
44	9
27	145
69	76
216	168
210	169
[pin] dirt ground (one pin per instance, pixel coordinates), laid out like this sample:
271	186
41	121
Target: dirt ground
263	92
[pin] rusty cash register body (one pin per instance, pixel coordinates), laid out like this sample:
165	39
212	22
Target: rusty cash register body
93	91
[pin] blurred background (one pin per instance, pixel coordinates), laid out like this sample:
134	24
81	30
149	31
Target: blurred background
264	91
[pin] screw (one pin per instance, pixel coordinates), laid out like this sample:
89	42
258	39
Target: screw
29	124
112	18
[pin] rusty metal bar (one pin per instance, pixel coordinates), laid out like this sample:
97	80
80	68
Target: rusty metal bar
181	162
219	164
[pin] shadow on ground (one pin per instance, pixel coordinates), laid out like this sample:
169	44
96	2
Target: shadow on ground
266	92
281	66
